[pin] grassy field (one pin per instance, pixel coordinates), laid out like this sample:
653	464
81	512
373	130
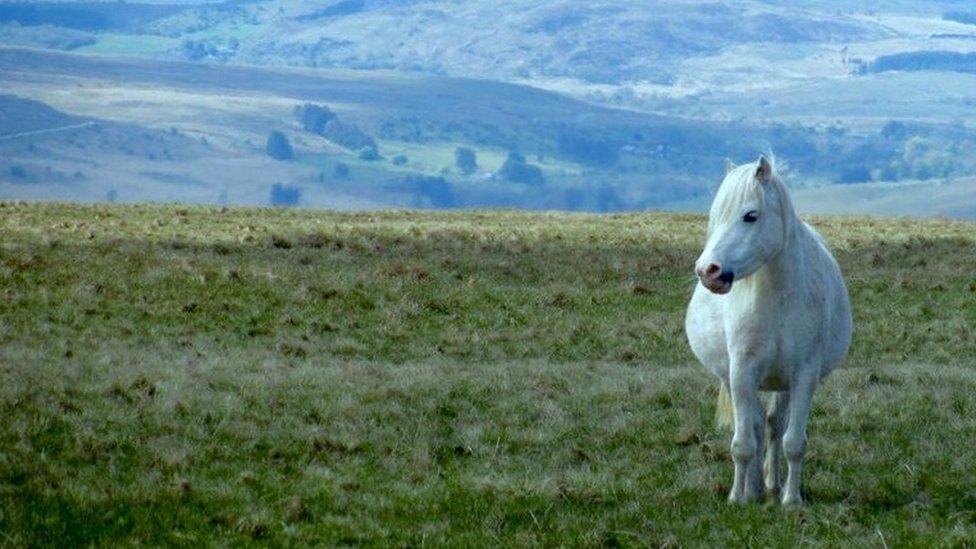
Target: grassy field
180	375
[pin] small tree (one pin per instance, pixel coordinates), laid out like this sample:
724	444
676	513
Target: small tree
854	173
347	135
894	130
278	146
429	192
285	195
369	154
465	160
314	117
515	169
587	149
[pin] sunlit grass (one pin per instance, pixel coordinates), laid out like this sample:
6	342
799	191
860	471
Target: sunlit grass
130	44
436	157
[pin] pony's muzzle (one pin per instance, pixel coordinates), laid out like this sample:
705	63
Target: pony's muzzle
715	279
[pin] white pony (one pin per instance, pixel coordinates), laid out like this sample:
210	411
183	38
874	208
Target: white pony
771	313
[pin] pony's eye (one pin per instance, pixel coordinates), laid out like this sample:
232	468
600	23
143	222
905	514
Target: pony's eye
751	216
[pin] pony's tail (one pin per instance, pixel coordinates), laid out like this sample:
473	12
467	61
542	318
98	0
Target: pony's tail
723	408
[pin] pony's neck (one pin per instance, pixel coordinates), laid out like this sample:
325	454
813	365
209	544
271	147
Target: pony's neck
783	270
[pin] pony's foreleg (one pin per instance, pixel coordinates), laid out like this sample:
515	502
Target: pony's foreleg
747	441
795	437
776	424
755	476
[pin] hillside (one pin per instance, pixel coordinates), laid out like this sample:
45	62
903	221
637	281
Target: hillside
607	42
22	116
659	56
952	199
591	157
612	106
194	375
230	109
196	132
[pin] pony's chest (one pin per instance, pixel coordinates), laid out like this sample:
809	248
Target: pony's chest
772	349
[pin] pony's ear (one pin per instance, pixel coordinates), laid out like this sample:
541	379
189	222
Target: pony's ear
764	170
729	166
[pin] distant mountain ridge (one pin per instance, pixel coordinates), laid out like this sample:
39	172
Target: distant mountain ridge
614	104
603	41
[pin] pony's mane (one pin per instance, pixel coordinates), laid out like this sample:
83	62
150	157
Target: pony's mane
741	187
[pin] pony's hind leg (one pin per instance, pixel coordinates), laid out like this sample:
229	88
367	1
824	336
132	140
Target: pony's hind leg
795	437
776	425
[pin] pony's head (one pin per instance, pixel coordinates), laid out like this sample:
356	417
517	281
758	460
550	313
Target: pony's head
750	222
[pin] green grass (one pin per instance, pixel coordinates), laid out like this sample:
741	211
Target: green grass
130	44
189	375
434	157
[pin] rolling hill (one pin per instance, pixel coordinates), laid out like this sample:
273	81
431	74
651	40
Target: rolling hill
647	159
653	55
638	54
605	42
617	105
951	199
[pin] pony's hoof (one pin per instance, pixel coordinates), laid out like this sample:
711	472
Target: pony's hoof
790	500
745	498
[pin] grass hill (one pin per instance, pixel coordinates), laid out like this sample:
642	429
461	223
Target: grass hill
954	199
609	106
185	375
46	153
196	132
605	42
25	116
717	60
708	59
643	158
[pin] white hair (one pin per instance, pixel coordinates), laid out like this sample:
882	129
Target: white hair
744	185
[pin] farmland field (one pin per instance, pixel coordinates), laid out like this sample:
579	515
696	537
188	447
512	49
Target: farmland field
193	375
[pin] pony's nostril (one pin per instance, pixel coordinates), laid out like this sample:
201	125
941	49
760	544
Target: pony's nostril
713	269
